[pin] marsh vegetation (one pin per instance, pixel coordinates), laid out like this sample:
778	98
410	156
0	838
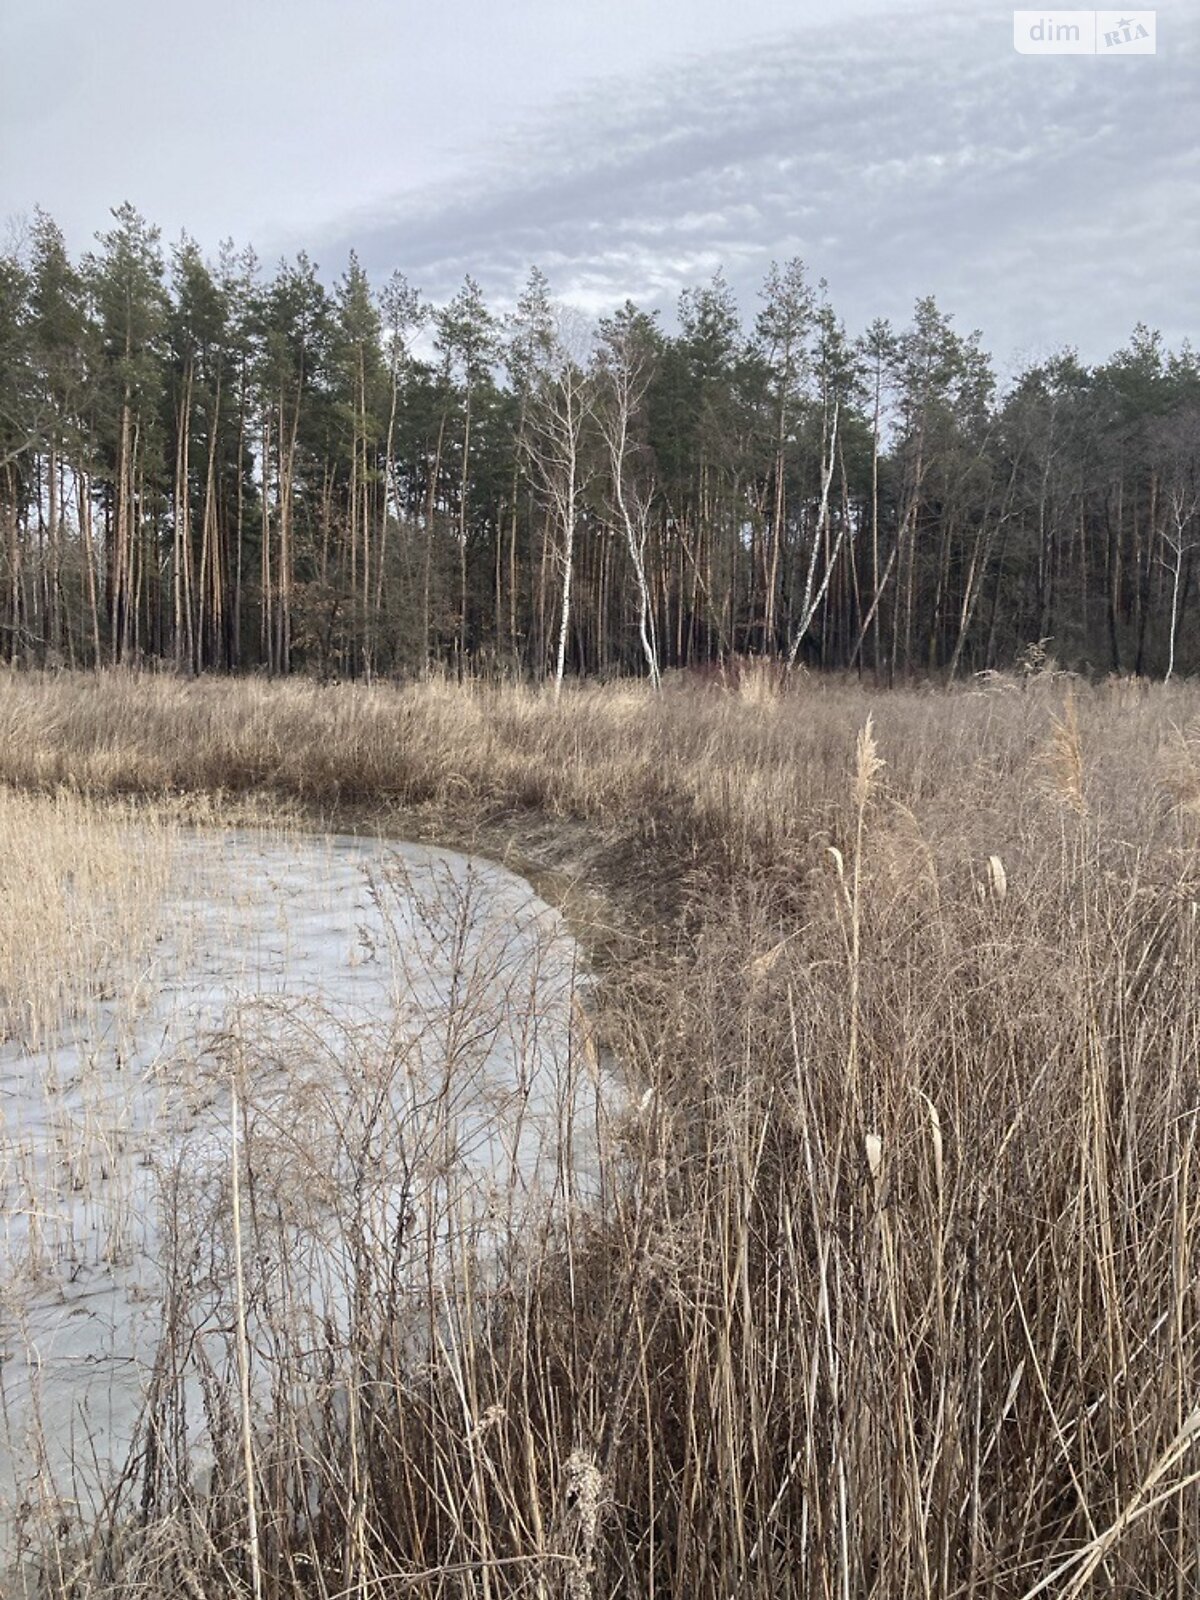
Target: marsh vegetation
884	1281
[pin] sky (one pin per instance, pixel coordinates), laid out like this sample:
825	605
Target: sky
634	147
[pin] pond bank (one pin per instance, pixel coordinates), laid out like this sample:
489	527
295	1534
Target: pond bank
401	1023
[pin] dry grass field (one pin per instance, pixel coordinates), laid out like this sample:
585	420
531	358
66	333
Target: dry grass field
889	1286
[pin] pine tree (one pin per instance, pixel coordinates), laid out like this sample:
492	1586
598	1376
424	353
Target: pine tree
467	338
125	283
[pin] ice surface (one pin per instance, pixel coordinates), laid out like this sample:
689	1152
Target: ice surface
399	1023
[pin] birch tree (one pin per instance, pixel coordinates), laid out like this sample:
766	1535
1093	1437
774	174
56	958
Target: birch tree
1176	457
837	378
528	351
562	405
625	367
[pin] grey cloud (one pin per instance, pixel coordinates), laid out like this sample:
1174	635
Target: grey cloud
1046	201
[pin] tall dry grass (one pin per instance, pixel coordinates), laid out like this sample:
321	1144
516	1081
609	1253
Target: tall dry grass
890	1287
78	903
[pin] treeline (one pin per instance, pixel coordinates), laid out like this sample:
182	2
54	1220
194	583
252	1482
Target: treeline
218	468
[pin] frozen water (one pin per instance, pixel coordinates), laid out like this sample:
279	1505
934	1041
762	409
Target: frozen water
398	1021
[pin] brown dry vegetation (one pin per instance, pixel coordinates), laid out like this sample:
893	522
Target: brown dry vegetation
77	904
891	1289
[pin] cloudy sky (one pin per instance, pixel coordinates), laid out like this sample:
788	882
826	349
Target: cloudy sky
631	147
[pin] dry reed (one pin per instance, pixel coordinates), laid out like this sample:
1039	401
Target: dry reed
889	1286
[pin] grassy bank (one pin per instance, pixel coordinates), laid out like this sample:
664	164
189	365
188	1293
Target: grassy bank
891	1288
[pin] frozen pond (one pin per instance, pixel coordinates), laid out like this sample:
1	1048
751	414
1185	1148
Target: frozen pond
400	1025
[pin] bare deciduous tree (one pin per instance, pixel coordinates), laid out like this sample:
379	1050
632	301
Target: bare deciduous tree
561	407
625	366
